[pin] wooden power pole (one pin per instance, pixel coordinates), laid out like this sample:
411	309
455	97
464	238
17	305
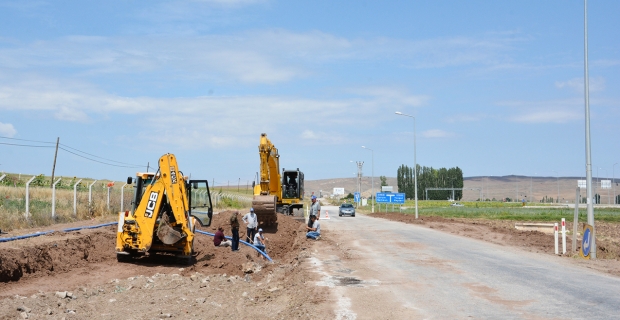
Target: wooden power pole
54	167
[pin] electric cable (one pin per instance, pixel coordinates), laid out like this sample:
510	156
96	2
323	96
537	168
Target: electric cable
120	164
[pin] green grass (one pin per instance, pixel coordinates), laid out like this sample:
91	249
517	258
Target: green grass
474	204
515	213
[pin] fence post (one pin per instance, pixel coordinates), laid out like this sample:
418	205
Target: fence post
54	198
28	196
109	196
576	219
123	196
75	197
90	195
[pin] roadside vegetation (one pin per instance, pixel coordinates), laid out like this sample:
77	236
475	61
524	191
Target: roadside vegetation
507	211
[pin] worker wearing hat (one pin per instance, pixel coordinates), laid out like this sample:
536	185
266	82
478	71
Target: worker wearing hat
259	240
315	210
251	220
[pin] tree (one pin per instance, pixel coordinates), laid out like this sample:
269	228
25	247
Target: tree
428	177
383	181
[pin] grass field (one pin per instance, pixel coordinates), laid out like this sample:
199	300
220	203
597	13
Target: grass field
503	211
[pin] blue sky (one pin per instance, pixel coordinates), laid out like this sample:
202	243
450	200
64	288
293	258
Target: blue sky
496	86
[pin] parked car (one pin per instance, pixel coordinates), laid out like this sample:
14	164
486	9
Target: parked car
346	209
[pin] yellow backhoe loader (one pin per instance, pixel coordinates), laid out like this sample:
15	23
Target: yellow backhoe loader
166	208
274	192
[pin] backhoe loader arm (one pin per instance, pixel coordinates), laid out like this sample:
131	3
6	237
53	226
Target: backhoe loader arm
163	206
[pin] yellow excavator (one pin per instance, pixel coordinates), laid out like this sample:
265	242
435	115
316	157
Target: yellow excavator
274	192
166	208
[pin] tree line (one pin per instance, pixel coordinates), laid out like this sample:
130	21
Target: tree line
429	177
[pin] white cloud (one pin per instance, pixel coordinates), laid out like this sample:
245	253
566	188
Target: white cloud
7	130
213	121
436	133
547	116
553	111
466	118
576	84
261	56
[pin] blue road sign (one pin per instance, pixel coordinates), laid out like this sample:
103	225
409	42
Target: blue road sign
587	241
386	197
399	198
357	196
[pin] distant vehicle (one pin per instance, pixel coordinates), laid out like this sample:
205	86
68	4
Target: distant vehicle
346	209
456	204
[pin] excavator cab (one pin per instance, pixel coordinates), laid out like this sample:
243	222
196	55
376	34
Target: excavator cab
292	184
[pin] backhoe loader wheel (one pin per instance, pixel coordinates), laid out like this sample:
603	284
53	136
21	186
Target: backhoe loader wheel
123	257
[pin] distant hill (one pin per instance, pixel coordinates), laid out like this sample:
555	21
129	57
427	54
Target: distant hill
498	187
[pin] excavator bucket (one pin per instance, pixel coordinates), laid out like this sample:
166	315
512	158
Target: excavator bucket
166	233
265	209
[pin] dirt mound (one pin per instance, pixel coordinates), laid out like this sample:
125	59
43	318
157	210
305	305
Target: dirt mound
61	253
92	251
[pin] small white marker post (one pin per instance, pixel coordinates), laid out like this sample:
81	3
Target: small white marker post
563	236
555	235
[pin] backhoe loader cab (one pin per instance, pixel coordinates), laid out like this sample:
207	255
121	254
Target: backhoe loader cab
166	208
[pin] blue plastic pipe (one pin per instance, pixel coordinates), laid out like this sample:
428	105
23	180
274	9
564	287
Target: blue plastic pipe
246	243
36	234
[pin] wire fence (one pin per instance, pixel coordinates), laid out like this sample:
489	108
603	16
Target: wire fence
26	202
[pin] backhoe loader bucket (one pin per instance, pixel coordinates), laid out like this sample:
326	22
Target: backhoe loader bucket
166	233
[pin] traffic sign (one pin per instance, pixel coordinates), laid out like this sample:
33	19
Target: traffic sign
586	242
357	196
581	184
384	197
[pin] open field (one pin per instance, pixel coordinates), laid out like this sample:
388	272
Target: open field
513	187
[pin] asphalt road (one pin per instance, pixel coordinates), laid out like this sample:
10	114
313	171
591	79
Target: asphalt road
377	268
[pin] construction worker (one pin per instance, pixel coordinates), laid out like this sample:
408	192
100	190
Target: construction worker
251	220
315	210
314	232
234	226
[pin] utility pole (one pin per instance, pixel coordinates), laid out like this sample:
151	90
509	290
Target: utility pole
54	167
359	179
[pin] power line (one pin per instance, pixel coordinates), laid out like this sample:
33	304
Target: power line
25	145
92	155
27	140
109	164
121	164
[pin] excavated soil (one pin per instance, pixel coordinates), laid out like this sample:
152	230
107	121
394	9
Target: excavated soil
76	275
503	232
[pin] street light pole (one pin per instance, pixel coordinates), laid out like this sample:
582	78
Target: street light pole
613	181
415	165
558	179
372	178
587	118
